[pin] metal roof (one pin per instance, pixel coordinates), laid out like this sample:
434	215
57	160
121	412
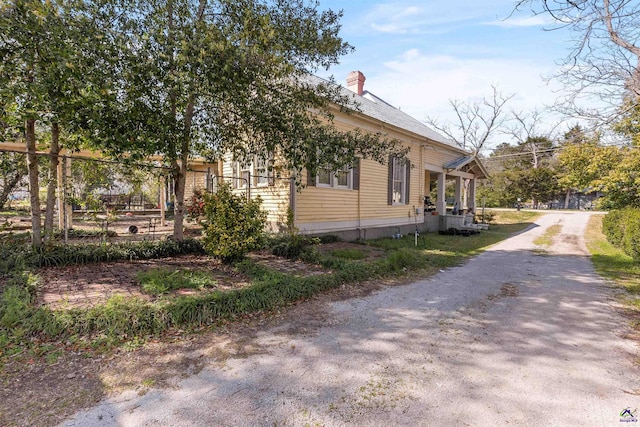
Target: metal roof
372	106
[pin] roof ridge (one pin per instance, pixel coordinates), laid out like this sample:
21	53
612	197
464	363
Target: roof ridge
389	114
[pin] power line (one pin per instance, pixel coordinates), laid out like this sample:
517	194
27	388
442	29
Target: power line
520	154
559	148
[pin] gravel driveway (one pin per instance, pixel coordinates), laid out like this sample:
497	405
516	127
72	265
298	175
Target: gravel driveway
515	336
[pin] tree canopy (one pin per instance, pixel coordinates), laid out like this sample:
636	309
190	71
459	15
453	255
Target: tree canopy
185	78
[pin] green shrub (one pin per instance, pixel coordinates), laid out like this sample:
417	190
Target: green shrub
328	238
488	217
14	257
631	239
622	229
296	247
292	244
233	225
613	227
405	259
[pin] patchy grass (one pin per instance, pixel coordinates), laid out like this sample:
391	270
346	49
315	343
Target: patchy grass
456	248
160	281
353	254
12	213
613	264
514	216
121	320
547	238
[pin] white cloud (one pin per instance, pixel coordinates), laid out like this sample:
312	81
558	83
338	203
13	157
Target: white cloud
395	19
531	21
422	85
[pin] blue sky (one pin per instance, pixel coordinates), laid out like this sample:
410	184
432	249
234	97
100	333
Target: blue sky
418	54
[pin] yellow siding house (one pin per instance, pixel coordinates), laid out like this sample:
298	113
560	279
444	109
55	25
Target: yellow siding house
372	199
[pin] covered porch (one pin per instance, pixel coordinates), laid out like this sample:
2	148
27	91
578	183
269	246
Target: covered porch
442	212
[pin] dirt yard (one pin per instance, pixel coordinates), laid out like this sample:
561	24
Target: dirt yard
89	285
44	391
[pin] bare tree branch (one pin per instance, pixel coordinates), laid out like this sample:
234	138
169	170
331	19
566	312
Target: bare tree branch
604	63
476	122
526	130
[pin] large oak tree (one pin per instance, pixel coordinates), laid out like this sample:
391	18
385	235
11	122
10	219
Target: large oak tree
210	77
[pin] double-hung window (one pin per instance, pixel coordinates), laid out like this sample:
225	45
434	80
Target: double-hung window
324	177
252	173
399	171
261	172
344	177
244	175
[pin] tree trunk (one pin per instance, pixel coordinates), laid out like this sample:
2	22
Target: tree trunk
534	152
53	180
180	175
34	187
567	197
9	184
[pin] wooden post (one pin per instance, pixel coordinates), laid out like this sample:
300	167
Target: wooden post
163	200
68	207
441	203
62	185
472	194
459	190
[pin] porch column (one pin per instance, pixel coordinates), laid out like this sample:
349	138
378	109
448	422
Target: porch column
163	201
62	185
459	190
472	194
68	206
441	203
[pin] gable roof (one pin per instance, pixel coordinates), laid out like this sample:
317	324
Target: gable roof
474	163
377	108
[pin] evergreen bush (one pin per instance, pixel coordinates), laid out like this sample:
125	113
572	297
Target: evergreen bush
613	227
622	229
233	225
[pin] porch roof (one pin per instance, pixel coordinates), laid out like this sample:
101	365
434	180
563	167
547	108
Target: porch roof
471	164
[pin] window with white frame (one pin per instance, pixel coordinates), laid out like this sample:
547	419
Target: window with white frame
398	181
254	173
261	172
245	174
323	178
241	174
342	178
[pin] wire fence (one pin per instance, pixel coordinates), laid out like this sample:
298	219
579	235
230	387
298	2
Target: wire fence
111	199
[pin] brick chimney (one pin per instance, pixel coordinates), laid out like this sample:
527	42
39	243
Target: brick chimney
355	82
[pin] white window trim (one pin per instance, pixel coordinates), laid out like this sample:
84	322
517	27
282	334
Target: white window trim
256	173
402	181
259	174
333	181
349	184
243	168
324	184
